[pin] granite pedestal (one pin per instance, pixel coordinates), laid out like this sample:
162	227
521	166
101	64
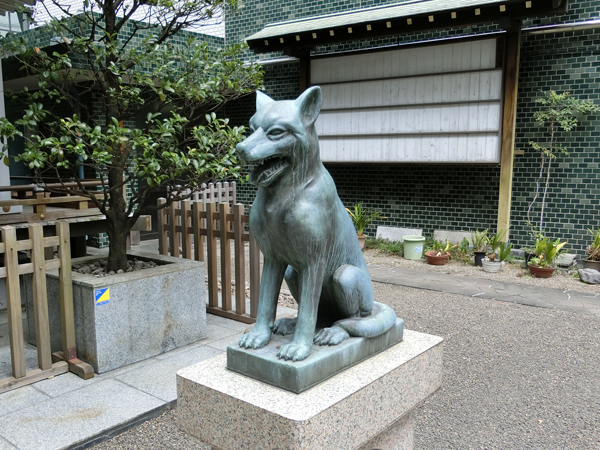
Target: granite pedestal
365	407
129	317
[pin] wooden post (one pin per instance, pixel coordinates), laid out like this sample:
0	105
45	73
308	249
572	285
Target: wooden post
211	249
173	237
240	256
65	288
509	117
40	298
13	298
186	239
163	243
225	257
254	275
197	222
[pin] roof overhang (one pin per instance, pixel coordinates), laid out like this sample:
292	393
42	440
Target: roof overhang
395	19
13	5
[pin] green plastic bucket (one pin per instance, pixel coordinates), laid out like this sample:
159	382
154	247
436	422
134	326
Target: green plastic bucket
413	247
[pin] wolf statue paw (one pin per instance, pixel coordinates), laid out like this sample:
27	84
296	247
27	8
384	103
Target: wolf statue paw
294	352
285	326
331	336
254	339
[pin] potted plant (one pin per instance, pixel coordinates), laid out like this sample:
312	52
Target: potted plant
479	240
593	252
497	263
361	218
440	253
542	265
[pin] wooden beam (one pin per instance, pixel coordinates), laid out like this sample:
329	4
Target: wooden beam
509	115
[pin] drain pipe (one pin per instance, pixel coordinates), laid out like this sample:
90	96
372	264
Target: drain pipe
562	27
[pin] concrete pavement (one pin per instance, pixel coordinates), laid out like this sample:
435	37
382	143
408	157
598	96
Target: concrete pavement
68	412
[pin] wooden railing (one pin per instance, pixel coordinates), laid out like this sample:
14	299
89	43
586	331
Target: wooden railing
49	364
38	200
189	228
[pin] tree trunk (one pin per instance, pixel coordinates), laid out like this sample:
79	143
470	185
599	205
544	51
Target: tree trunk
118	230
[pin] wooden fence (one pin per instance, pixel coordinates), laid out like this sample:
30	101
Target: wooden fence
193	225
49	364
220	192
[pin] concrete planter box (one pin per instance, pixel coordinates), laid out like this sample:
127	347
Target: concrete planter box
129	317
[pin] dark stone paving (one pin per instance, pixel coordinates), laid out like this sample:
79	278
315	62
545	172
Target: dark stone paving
496	290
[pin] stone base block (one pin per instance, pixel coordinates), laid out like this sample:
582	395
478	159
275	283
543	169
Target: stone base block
324	361
365	407
125	318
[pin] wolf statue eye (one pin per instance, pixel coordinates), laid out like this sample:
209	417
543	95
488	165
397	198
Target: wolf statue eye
276	132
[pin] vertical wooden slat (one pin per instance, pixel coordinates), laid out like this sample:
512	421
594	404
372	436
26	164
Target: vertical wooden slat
509	117
40	297
239	259
13	298
254	275
186	239
197	225
163	243
173	236
211	249
225	257
65	288
233	193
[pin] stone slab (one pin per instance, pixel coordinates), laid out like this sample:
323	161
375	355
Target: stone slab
147	312
454	237
72	418
324	361
397	234
230	411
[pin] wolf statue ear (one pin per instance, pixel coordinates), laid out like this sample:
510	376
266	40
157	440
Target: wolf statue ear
262	100
309	104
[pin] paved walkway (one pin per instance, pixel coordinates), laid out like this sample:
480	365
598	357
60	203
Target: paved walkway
476	287
67	412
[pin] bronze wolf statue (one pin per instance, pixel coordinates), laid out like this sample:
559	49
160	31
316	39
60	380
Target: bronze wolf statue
305	234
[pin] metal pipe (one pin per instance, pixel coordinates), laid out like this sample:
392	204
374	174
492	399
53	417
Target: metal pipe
562	27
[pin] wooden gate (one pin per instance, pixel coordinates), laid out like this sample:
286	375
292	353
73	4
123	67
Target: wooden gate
188	225
49	364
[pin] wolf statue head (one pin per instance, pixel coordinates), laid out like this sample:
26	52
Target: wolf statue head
284	139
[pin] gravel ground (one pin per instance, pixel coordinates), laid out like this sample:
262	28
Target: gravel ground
515	377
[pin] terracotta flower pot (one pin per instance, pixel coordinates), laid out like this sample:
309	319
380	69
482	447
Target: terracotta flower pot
434	259
541	272
361	240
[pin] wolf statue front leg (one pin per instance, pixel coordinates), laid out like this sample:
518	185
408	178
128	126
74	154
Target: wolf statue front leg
270	285
310	284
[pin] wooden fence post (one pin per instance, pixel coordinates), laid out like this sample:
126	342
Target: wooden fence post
13	298
225	257
173	236
186	241
211	248
239	259
163	243
40	296
197	225
254	274
65	287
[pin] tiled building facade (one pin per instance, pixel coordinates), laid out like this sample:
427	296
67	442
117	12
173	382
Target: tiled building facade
465	196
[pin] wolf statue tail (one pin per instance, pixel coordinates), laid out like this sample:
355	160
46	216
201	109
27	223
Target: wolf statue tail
382	318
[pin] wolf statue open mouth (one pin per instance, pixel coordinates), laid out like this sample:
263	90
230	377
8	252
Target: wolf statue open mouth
268	170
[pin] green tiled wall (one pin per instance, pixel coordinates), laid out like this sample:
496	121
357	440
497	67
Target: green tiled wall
459	197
